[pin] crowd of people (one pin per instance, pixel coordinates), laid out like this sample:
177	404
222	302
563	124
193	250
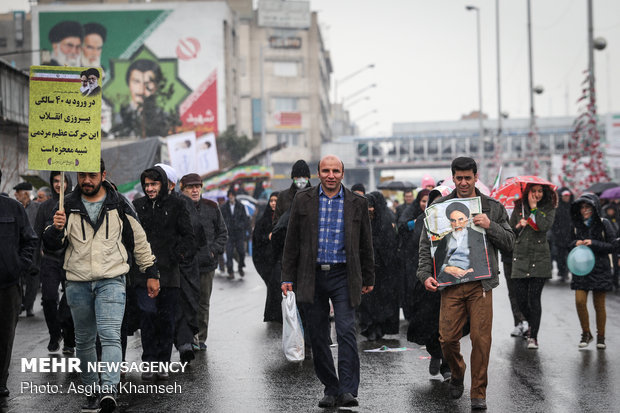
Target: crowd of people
108	267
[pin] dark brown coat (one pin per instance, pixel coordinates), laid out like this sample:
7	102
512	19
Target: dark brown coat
301	247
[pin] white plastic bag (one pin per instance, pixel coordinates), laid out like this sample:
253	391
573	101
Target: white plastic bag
292	330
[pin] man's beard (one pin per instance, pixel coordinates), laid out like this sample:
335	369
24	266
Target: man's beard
91	62
92	192
63	59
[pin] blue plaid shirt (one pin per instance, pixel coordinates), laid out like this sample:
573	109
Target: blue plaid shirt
331	228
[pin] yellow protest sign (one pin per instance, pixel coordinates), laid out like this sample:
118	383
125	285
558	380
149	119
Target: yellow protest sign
65	119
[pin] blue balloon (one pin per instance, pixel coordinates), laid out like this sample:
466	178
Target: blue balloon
580	260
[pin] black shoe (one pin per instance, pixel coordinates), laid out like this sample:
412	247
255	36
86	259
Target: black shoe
4	392
434	365
54	344
456	388
478	404
163	375
347	400
231	275
327	401
29	313
92	405
107	403
186	353
68	350
148	376
241	273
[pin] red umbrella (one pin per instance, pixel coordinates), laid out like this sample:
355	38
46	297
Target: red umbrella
512	189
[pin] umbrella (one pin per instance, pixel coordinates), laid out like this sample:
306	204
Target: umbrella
481	187
397	185
611	193
600	187
512	189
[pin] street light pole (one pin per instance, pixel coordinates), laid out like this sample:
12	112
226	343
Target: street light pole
480	124
532	161
347	77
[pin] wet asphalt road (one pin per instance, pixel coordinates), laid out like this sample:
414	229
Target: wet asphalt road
244	369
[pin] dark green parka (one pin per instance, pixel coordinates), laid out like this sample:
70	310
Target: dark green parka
531	256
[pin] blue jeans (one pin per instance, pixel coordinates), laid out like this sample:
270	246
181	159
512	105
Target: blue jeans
97	308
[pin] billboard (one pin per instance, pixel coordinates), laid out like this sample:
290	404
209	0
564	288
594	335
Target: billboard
163	64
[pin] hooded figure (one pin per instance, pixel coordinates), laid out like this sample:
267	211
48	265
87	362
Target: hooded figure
598	234
601	232
55	309
408	242
560	234
265	261
379	309
300	174
168	228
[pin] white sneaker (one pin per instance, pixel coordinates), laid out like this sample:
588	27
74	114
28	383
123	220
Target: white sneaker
532	343
525	326
517	331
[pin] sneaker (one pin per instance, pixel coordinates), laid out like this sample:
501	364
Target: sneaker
433	367
525	329
517	332
447	375
107	403
68	350
92	405
600	343
54	344
203	346
327	401
195	347
586	338
532	343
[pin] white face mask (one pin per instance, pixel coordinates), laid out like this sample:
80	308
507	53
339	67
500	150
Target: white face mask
300	183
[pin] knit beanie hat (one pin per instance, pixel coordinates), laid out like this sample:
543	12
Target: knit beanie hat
300	168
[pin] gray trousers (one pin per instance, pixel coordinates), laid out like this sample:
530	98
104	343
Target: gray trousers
206	286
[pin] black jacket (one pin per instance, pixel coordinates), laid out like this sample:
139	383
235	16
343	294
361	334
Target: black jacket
168	228
601	233
237	222
45	218
210	231
285	200
262	252
18	242
562	227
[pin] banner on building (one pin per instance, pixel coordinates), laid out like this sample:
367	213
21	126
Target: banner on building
65	119
163	63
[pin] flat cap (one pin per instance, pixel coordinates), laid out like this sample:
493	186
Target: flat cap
191	179
23	186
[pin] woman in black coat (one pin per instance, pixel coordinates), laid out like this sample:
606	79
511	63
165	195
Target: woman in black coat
424	323
264	261
408	243
379	310
597	233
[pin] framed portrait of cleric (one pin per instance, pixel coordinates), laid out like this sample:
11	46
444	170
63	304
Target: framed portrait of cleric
458	247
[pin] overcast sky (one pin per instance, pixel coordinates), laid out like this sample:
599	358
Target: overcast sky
425	56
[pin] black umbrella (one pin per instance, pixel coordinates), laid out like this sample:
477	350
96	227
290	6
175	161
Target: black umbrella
397	185
599	187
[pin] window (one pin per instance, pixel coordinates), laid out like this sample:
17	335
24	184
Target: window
291	139
285	104
285	69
